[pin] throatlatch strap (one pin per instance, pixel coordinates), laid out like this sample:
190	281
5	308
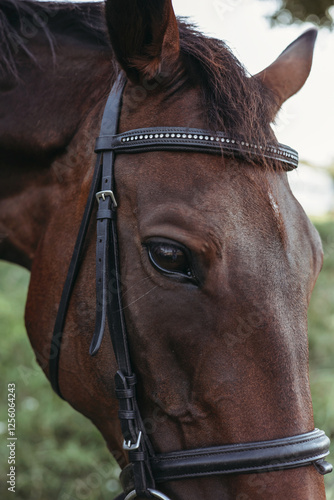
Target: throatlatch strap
70	281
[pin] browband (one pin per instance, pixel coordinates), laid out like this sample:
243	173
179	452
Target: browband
194	140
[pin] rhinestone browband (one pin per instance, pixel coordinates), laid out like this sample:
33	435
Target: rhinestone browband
194	140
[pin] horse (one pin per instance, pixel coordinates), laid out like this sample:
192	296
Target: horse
217	258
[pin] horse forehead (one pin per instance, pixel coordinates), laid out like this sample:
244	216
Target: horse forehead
143	107
197	198
175	188
192	182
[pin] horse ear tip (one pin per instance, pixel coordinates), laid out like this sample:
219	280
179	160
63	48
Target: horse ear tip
305	42
310	34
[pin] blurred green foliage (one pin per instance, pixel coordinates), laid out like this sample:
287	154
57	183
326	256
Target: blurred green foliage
60	455
314	11
321	339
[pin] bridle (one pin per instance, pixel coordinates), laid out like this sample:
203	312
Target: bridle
147	468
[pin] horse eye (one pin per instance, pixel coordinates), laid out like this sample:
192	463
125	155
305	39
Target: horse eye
169	258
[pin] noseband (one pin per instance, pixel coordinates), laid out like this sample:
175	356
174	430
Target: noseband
147	468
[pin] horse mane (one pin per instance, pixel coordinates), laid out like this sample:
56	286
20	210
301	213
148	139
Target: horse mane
22	20
232	100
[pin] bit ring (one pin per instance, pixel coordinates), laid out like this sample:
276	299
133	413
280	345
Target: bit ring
155	493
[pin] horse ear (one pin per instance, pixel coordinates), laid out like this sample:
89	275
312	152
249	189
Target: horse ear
286	76
144	36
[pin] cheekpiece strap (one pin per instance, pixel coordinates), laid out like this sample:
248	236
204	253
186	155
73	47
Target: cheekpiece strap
109	307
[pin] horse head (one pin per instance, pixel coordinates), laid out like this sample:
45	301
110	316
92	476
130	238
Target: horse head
217	258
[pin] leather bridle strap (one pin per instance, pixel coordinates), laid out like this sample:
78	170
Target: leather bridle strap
263	456
72	273
109	304
108	301
246	458
196	141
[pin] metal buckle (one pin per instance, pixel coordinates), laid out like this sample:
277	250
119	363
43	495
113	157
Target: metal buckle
155	493
127	445
101	195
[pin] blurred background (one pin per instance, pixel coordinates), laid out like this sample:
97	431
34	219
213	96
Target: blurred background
60	456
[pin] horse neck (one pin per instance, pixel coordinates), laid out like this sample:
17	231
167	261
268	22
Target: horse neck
40	138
